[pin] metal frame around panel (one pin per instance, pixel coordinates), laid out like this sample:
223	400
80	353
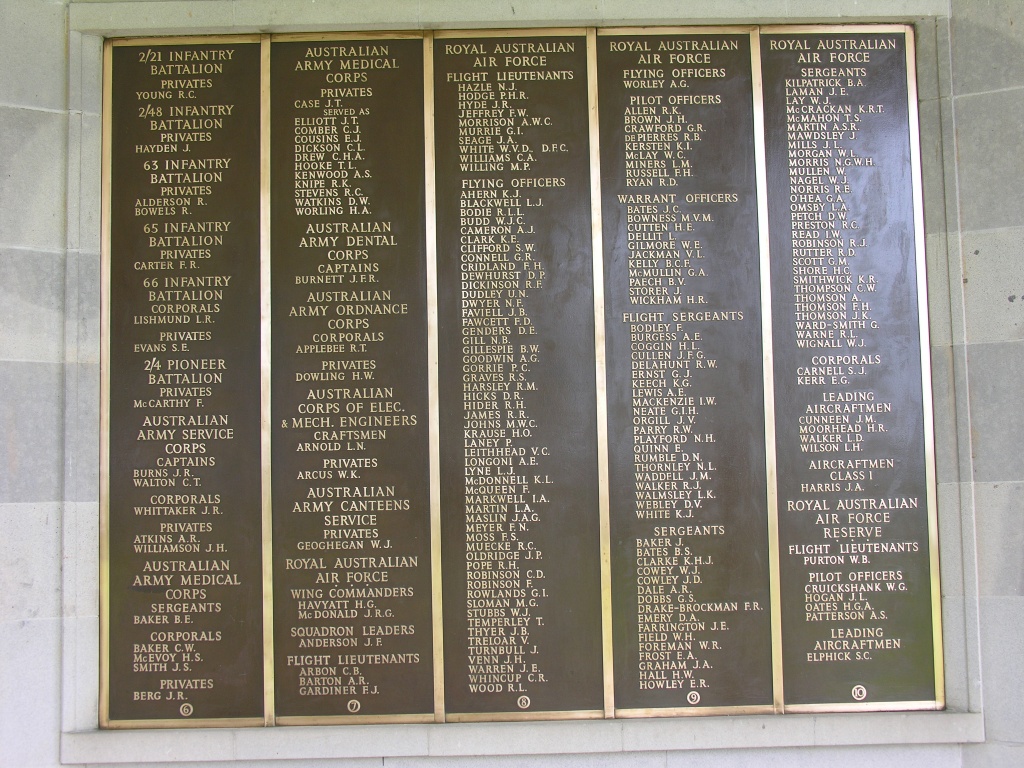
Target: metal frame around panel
768	369
434	416
105	205
601	364
913	127
439	714
266	418
105	271
927	411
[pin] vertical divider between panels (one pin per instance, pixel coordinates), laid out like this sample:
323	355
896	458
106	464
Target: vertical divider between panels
105	203
432	363
602	381
265	331
768	364
913	129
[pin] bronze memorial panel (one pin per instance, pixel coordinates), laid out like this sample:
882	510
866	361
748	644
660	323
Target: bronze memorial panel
183	422
520	527
532	375
352	588
857	590
689	507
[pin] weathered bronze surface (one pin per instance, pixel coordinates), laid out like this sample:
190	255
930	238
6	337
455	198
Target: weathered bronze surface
184	531
853	498
352	592
520	546
689	512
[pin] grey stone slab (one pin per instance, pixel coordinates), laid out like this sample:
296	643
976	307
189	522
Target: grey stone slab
30	554
898	728
268	15
988	43
989	128
994	755
760	731
86	184
994	284
80	581
75	62
799	11
95	747
655	12
940	323
997	418
82	432
125	19
518	738
743	758
82	308
954	655
74	171
85	86
968	541
30	692
945	62
33	56
837	757
955	276
32	178
84	181
561	761
31	415
934	139
395	14
961	398
1002	664
950	179
927	59
355	763
321	743
939	733
951	563
970	611
80	673
999	521
452	13
363	763
617	760
31	306
944	407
